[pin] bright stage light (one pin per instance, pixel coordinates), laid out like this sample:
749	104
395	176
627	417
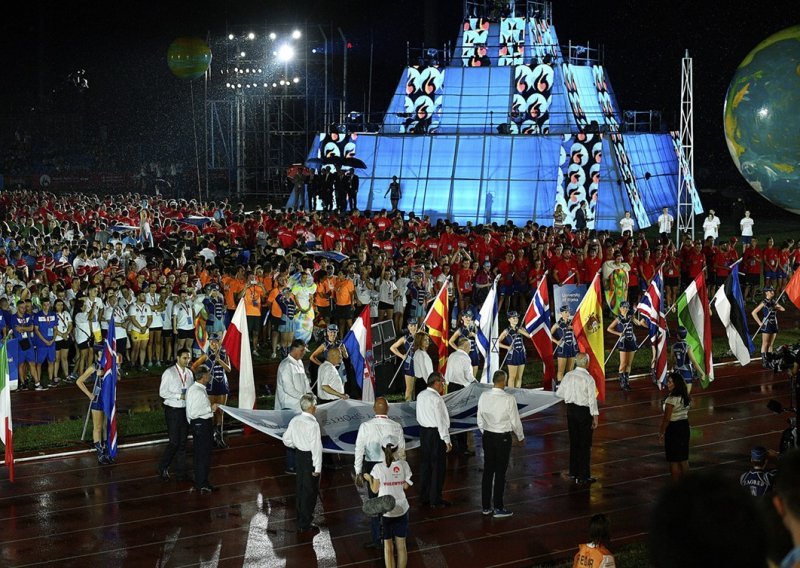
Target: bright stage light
296	34
273	36
230	36
296	80
242	54
285	53
283	82
274	84
251	35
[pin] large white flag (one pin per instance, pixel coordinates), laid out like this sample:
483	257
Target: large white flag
237	343
487	335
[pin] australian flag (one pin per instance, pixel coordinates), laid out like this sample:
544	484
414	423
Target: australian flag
537	323
652	307
108	388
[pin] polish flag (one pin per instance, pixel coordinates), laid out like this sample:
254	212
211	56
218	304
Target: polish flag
237	343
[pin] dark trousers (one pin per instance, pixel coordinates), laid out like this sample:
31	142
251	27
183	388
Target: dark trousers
375	521
579	424
496	451
306	489
178	431
202	436
352	199
432	465
459	441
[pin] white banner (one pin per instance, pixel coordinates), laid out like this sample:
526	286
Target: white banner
339	420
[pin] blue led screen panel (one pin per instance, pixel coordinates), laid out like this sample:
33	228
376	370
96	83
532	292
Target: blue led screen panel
612	199
654	154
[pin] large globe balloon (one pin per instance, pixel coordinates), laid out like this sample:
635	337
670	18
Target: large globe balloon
188	57
762	118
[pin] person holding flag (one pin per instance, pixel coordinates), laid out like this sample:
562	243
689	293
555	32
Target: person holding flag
566	347
729	306
6	425
468	330
511	340
537	324
219	365
407	356
694	314
683	359
769	324
652	308
622	327
488	334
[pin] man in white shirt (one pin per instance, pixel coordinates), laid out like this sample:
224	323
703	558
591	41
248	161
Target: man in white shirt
291	385
578	390
369	452
626	224
175	381
457	376
711	226
498	419
199	412
665	221
303	436
434	423
746	225
329	381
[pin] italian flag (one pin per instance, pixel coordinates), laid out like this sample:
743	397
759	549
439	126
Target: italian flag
6	429
694	314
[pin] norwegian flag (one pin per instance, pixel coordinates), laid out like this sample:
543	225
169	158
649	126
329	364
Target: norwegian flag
652	308
108	388
537	323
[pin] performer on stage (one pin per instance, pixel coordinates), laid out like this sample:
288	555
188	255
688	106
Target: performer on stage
469	330
768	322
407	356
511	339
622	327
566	345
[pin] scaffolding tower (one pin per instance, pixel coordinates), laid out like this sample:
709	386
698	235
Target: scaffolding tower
686	185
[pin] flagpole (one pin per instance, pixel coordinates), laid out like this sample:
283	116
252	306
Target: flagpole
430	310
89	409
769	313
398	370
669	311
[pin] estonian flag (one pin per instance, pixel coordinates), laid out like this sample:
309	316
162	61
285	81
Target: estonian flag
729	304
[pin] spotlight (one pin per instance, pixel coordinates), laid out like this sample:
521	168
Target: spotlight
251	36
314	50
296	80
227	85
296	34
273	36
230	36
283	82
242	54
236	69
260	70
265	85
285	53
274	85
238	85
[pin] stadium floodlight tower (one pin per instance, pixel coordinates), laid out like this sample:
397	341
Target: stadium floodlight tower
686	185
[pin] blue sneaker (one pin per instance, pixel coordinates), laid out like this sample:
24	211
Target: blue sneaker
501	513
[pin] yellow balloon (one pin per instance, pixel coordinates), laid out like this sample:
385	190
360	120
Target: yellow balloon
188	57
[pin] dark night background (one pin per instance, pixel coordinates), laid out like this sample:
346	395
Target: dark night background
122	47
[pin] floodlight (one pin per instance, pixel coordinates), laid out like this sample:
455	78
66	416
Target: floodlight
230	36
251	35
285	53
296	34
242	54
296	80
273	36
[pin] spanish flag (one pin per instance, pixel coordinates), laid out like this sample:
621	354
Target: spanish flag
588	328
438	327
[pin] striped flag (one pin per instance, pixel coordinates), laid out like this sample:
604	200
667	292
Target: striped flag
695	316
652	307
438	325
200	335
729	305
108	388
487	335
587	325
358	343
6	427
537	322
236	342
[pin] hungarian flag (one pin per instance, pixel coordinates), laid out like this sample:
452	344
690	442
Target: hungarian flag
108	388
694	314
587	325
438	326
6	429
237	343
652	307
200	335
537	322
793	288
729	305
358	343
488	333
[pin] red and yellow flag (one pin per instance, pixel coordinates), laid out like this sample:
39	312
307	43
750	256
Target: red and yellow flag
588	328
438	326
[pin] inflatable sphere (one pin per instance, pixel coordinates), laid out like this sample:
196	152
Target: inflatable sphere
188	57
762	118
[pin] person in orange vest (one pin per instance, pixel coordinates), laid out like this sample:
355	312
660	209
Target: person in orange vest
595	553
253	293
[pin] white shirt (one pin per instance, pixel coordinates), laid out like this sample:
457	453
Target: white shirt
665	221
577	387
369	438
328	375
746	224
459	369
432	412
303	434
392	479
174	384
423	366
291	384
711	227
498	413
197	403
626	224
387	291
183	314
139	314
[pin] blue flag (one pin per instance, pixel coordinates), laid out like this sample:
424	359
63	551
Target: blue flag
108	388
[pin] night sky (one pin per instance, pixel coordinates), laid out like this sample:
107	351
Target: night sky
122	47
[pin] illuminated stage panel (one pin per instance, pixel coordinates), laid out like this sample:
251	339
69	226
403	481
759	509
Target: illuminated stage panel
612	200
654	154
475	99
587	90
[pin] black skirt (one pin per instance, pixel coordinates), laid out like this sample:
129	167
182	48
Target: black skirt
676	441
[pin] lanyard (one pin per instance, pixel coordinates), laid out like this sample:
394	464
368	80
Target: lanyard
181	375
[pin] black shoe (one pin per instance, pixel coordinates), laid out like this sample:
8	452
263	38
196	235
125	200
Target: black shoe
586	481
289	471
313	529
163	474
207	489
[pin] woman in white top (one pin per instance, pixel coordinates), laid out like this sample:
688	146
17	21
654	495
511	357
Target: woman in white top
423	366
63	336
392	477
387	293
83	332
183	321
156	303
139	318
167	333
674	430
401	285
120	316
